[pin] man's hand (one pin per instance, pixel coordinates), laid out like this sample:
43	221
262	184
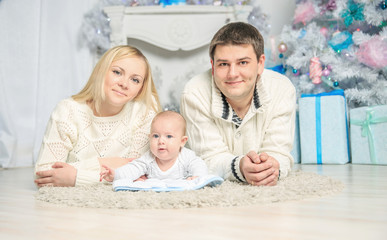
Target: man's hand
61	175
260	169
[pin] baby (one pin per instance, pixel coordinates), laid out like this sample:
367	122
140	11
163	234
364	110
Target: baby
167	158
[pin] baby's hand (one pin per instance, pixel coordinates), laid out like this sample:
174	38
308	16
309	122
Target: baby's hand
191	178
107	174
141	179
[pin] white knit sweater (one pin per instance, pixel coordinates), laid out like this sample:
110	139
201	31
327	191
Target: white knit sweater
267	127
75	136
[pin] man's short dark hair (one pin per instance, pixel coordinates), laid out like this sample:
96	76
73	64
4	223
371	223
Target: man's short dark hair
238	33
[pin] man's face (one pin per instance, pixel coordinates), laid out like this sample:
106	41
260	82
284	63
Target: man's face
235	70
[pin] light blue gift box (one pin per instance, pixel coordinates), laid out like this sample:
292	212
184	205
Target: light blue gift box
324	128
296	152
369	135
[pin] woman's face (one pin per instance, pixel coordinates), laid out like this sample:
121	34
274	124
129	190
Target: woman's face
123	82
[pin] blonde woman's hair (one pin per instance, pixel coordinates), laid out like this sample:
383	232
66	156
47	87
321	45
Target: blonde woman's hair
94	93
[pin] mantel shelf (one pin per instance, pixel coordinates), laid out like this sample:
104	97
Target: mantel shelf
183	27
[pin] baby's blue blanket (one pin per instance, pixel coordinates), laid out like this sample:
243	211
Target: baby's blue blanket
167	185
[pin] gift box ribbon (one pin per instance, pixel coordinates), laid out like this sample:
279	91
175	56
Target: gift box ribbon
366	130
318	119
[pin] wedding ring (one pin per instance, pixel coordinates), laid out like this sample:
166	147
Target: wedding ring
252	183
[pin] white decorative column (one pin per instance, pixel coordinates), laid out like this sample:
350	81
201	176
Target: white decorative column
116	16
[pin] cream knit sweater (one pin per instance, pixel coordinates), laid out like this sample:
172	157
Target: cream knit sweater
267	127
75	136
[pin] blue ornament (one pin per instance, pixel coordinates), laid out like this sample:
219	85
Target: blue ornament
383	5
279	68
340	41
335	84
296	72
172	2
302	33
280	55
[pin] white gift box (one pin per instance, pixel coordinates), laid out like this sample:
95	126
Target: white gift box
324	128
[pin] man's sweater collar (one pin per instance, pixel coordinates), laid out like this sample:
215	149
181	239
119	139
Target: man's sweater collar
222	109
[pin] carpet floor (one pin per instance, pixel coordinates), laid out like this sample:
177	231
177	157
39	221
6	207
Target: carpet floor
297	186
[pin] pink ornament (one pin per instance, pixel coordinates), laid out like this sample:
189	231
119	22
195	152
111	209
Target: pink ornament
331	5
304	12
326	72
282	47
324	31
315	70
373	53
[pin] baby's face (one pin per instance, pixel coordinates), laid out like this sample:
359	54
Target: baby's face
166	138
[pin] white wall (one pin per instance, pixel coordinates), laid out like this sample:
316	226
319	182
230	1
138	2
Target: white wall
41	62
281	12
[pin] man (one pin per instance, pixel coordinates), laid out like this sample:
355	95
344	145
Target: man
240	117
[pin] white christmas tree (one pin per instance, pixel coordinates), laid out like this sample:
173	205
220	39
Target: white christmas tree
338	44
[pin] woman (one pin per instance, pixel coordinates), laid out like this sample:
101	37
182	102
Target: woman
107	123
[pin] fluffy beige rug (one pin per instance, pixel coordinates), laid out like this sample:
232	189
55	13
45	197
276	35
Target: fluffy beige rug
297	186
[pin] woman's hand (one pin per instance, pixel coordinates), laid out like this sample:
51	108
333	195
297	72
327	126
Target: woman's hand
61	175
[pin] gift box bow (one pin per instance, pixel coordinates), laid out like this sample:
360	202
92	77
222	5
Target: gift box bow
331	93
366	130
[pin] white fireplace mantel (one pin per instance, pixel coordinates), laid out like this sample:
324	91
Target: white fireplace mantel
174	39
182	27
